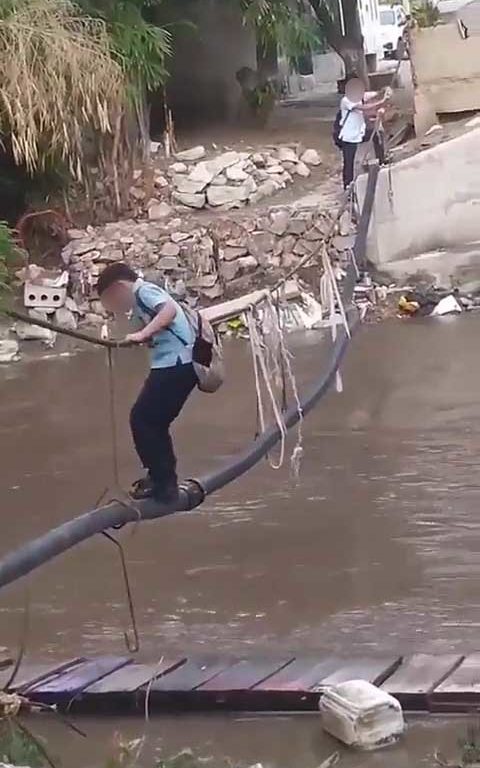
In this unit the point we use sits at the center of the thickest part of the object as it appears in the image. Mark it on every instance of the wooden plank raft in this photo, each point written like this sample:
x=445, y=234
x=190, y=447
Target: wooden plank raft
x=116, y=684
x=418, y=677
x=460, y=691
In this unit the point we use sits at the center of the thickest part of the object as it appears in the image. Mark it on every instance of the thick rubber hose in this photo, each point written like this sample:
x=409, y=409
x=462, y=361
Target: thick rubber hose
x=192, y=492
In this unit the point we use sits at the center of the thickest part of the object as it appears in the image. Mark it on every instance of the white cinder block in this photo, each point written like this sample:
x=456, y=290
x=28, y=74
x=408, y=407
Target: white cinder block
x=361, y=715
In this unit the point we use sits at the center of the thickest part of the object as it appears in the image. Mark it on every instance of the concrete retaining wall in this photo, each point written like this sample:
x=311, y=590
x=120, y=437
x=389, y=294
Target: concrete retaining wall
x=429, y=201
x=447, y=68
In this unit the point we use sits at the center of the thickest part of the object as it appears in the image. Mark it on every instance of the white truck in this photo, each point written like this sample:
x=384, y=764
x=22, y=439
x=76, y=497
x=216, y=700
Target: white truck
x=369, y=14
x=393, y=21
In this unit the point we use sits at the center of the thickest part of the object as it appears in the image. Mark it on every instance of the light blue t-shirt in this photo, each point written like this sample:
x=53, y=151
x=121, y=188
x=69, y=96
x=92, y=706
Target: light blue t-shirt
x=172, y=345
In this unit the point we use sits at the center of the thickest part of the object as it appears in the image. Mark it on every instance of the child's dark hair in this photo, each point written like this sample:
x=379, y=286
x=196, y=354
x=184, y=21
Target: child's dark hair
x=113, y=273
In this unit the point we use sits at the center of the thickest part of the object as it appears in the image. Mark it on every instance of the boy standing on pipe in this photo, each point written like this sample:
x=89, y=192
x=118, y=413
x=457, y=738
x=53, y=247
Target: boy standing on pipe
x=168, y=333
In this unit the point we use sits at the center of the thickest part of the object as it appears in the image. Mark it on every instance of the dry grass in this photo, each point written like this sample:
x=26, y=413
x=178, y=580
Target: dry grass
x=57, y=79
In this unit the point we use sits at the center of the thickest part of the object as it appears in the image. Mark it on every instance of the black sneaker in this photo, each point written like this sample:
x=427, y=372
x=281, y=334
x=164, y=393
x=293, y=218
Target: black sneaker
x=167, y=496
x=142, y=489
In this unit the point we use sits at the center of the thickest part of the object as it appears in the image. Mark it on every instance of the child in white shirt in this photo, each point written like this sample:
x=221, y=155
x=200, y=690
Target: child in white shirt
x=356, y=107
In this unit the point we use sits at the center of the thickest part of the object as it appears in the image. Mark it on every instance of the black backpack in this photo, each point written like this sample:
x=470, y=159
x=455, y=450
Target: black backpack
x=337, y=127
x=207, y=357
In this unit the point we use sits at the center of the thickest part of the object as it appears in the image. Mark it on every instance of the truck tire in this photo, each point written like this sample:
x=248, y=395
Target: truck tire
x=371, y=61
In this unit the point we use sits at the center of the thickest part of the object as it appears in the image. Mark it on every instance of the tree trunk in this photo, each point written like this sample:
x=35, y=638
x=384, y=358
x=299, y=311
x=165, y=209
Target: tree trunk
x=267, y=62
x=349, y=46
x=354, y=60
x=353, y=49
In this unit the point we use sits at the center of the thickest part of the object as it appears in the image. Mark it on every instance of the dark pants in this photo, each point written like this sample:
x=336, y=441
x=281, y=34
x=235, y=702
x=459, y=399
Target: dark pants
x=158, y=404
x=350, y=150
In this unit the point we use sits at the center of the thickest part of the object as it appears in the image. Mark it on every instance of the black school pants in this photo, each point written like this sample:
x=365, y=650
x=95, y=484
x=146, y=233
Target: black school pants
x=349, y=152
x=162, y=398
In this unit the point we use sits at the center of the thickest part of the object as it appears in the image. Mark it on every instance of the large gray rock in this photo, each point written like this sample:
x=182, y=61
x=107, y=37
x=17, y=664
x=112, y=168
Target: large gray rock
x=230, y=269
x=213, y=293
x=288, y=243
x=260, y=244
x=259, y=160
x=311, y=157
x=217, y=196
x=179, y=237
x=65, y=318
x=207, y=281
x=191, y=200
x=279, y=222
x=80, y=247
x=248, y=263
x=137, y=193
x=168, y=263
x=231, y=252
x=188, y=185
x=297, y=226
x=287, y=155
x=178, y=168
x=160, y=181
x=170, y=249
x=207, y=170
x=220, y=180
x=159, y=211
x=191, y=155
x=302, y=169
x=236, y=173
x=260, y=175
x=302, y=247
x=265, y=189
x=275, y=169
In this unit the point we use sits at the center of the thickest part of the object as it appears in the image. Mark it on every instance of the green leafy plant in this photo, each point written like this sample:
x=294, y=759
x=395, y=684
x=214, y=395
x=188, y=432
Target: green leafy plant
x=283, y=23
x=19, y=747
x=141, y=49
x=8, y=255
x=139, y=46
x=426, y=14
x=470, y=746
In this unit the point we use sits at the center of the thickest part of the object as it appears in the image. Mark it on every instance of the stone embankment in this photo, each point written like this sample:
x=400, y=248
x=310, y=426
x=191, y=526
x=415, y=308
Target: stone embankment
x=210, y=254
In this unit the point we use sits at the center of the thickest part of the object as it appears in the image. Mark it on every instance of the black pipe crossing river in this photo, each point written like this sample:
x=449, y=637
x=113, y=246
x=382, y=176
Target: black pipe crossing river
x=192, y=492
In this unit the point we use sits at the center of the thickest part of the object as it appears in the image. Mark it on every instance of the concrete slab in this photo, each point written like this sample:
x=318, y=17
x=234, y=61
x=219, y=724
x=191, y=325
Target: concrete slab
x=426, y=202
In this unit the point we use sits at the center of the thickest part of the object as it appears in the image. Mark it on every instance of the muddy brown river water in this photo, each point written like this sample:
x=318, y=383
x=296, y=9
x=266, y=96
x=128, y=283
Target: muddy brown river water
x=376, y=549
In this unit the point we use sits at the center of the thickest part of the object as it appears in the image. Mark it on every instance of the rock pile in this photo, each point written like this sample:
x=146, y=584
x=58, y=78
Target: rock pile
x=227, y=180
x=220, y=258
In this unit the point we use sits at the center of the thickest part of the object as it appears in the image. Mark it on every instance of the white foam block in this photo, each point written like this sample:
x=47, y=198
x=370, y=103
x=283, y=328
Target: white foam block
x=361, y=715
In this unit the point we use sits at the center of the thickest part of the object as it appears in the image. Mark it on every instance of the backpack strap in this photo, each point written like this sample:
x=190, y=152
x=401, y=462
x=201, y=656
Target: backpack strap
x=342, y=122
x=152, y=314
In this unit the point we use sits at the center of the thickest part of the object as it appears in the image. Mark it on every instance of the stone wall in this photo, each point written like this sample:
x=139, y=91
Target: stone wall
x=203, y=261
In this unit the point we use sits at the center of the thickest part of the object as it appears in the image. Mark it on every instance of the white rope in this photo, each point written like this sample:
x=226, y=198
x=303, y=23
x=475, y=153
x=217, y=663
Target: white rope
x=260, y=367
x=287, y=357
x=334, y=299
x=272, y=359
x=327, y=265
